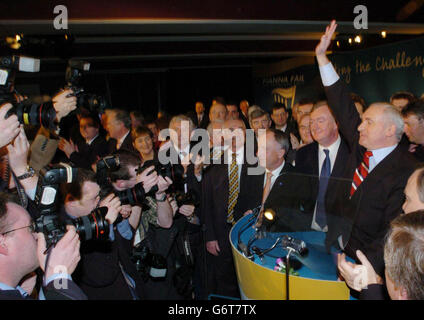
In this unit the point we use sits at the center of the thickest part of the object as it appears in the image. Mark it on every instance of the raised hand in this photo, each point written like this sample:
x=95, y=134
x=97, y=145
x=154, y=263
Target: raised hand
x=322, y=47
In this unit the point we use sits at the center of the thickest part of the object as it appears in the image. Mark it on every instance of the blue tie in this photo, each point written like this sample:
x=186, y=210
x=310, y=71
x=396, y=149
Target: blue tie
x=320, y=216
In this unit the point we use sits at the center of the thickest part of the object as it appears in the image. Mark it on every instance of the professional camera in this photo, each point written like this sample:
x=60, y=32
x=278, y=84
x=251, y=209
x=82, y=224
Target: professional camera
x=134, y=196
x=93, y=226
x=74, y=72
x=173, y=172
x=28, y=113
x=149, y=264
x=104, y=166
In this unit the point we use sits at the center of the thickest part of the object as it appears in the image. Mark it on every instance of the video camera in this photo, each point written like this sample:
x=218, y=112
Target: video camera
x=92, y=226
x=28, y=113
x=74, y=71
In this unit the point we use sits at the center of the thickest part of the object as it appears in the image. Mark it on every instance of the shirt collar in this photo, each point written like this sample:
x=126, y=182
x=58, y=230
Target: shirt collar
x=332, y=148
x=5, y=287
x=91, y=141
x=380, y=154
x=276, y=172
x=121, y=141
x=239, y=155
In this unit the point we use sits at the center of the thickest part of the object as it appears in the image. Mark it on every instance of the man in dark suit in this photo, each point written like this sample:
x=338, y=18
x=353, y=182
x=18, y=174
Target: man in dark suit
x=319, y=163
x=413, y=116
x=118, y=126
x=221, y=185
x=274, y=189
x=244, y=107
x=378, y=166
x=21, y=253
x=87, y=152
x=200, y=117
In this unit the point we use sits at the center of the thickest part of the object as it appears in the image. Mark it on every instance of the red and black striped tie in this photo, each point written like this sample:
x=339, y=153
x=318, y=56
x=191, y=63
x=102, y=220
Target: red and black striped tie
x=361, y=172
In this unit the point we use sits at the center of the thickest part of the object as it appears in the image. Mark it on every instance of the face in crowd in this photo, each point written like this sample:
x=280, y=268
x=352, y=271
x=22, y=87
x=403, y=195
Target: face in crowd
x=323, y=126
x=305, y=130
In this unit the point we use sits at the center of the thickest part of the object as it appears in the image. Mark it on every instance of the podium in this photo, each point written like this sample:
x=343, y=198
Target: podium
x=257, y=279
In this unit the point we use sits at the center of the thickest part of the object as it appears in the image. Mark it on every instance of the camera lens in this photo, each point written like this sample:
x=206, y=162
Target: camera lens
x=34, y=114
x=132, y=196
x=94, y=226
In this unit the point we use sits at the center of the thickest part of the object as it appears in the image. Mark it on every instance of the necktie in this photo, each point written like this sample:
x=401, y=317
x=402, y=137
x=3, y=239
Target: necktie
x=233, y=189
x=267, y=187
x=320, y=217
x=361, y=172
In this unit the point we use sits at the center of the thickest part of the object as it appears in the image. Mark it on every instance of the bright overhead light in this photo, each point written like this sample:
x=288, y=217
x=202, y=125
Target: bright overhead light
x=383, y=34
x=358, y=39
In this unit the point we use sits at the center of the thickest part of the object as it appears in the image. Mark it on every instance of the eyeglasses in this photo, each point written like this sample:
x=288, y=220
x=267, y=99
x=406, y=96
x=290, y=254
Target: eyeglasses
x=31, y=227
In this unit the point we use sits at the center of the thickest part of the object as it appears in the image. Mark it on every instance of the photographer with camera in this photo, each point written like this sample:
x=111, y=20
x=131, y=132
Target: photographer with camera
x=22, y=252
x=105, y=270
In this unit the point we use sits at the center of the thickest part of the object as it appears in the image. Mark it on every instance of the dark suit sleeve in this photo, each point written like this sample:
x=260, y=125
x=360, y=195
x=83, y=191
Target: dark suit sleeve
x=374, y=292
x=374, y=250
x=71, y=292
x=207, y=207
x=344, y=111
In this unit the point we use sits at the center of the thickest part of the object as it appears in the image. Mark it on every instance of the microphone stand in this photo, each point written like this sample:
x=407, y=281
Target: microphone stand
x=289, y=252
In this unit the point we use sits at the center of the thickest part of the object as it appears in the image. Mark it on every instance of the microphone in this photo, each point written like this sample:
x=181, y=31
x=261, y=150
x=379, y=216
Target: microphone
x=241, y=246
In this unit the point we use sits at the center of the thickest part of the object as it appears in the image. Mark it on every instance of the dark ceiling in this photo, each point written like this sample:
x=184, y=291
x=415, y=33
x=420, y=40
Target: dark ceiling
x=136, y=35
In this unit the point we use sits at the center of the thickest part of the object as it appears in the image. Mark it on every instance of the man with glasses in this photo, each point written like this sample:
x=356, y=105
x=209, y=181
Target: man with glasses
x=22, y=252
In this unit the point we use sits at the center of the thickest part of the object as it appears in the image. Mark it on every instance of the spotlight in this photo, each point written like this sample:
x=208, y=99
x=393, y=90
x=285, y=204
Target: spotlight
x=270, y=219
x=358, y=39
x=338, y=43
x=383, y=34
x=350, y=40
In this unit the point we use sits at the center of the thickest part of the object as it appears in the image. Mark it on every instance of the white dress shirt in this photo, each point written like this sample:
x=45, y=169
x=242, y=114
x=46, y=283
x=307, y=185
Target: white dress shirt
x=332, y=153
x=275, y=174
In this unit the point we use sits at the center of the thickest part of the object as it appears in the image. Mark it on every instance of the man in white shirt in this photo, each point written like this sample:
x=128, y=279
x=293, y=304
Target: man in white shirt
x=377, y=165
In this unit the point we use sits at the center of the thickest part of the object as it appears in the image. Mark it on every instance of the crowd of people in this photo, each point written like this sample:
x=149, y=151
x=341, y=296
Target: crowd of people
x=336, y=166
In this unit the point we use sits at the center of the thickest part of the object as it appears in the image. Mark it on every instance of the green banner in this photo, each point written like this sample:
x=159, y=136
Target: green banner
x=375, y=74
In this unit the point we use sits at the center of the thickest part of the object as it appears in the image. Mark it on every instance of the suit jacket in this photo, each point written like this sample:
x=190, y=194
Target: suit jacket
x=283, y=198
x=89, y=154
x=307, y=166
x=378, y=199
x=214, y=206
x=205, y=120
x=126, y=145
x=73, y=292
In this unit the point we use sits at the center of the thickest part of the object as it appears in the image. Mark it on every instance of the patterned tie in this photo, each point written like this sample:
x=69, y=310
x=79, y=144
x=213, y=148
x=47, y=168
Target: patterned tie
x=320, y=216
x=361, y=172
x=233, y=189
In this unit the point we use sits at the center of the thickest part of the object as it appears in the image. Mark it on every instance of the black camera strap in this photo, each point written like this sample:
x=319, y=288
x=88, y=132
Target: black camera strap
x=23, y=198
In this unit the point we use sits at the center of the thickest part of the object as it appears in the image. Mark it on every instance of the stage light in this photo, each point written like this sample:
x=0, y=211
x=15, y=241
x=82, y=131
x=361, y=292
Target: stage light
x=350, y=40
x=383, y=34
x=269, y=214
x=338, y=43
x=358, y=39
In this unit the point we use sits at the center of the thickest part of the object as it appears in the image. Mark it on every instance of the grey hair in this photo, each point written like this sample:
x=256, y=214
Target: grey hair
x=393, y=115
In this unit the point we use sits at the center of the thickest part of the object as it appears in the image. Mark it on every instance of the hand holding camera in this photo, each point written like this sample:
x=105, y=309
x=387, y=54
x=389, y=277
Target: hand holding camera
x=114, y=207
x=64, y=257
x=8, y=127
x=149, y=178
x=163, y=185
x=64, y=102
